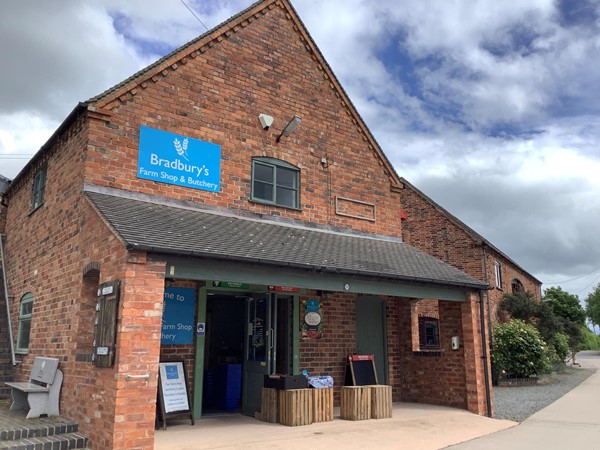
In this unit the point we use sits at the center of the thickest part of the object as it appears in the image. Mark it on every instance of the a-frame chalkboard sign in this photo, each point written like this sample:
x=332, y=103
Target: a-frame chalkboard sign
x=360, y=371
x=173, y=397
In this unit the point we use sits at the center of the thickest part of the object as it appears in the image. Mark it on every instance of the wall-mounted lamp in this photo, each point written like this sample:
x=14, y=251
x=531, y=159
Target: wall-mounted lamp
x=290, y=127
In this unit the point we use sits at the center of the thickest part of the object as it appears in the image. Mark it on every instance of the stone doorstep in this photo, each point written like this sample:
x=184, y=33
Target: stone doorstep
x=25, y=431
x=44, y=433
x=54, y=442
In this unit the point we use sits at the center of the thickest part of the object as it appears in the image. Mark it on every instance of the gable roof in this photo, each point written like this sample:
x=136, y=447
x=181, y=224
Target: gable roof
x=175, y=227
x=460, y=224
x=203, y=43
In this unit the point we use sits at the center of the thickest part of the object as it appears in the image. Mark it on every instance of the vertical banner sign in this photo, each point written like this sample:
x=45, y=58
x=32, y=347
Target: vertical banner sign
x=180, y=160
x=178, y=316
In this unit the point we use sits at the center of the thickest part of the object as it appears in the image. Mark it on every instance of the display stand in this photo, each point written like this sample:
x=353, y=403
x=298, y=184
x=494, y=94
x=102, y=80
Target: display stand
x=173, y=396
x=360, y=371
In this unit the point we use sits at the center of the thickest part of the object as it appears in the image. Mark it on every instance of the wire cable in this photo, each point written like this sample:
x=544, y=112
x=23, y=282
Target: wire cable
x=574, y=278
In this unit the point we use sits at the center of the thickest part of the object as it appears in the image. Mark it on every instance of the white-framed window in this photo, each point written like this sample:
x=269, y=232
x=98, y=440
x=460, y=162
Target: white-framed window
x=25, y=313
x=275, y=182
x=498, y=271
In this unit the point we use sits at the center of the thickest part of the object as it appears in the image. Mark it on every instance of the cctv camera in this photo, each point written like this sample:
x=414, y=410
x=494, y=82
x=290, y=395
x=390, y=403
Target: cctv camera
x=265, y=121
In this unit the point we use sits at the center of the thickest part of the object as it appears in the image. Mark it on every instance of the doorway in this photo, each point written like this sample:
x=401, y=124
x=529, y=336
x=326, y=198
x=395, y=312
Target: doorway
x=371, y=333
x=248, y=336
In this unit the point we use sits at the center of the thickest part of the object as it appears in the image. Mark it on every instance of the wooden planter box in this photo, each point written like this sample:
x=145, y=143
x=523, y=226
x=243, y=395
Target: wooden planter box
x=269, y=405
x=381, y=401
x=296, y=407
x=323, y=405
x=355, y=403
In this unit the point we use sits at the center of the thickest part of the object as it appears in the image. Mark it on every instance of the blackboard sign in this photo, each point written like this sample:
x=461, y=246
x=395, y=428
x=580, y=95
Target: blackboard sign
x=173, y=396
x=360, y=371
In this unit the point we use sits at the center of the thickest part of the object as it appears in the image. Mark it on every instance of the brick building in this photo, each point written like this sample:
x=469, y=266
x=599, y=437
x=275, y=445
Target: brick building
x=228, y=207
x=432, y=229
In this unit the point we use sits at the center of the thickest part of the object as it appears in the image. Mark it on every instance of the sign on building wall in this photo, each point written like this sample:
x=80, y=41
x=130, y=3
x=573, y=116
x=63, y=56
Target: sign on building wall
x=178, y=316
x=174, y=159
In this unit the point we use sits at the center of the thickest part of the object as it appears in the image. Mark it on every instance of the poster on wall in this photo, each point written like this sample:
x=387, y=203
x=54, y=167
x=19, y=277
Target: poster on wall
x=312, y=324
x=178, y=316
x=182, y=160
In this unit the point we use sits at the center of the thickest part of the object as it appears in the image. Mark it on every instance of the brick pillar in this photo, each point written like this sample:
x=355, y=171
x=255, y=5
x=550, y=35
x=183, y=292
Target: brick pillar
x=474, y=364
x=138, y=343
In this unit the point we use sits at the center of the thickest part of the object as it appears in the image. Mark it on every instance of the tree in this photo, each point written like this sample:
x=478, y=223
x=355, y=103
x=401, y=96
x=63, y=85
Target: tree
x=570, y=313
x=519, y=305
x=565, y=305
x=592, y=308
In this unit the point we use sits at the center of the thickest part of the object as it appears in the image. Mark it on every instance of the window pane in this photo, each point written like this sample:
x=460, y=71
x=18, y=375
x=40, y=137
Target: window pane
x=263, y=173
x=286, y=177
x=286, y=197
x=263, y=191
x=26, y=308
x=24, y=330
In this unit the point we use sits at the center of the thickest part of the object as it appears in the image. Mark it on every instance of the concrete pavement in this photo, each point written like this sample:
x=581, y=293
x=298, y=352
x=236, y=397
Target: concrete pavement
x=571, y=422
x=413, y=426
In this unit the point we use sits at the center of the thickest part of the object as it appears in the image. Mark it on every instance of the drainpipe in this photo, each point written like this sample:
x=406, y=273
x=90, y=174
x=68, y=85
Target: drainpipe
x=484, y=356
x=487, y=293
x=10, y=333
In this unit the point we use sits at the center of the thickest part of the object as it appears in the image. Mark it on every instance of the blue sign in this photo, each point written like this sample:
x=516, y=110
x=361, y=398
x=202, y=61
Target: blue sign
x=178, y=316
x=172, y=373
x=174, y=159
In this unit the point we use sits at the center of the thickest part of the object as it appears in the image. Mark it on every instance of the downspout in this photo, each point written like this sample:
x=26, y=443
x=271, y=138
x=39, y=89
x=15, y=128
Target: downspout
x=10, y=333
x=487, y=293
x=484, y=356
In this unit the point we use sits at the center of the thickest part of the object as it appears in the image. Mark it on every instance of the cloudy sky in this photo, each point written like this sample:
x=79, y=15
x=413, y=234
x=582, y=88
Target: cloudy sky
x=492, y=108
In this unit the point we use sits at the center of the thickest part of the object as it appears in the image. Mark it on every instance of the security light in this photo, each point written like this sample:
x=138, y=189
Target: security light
x=290, y=127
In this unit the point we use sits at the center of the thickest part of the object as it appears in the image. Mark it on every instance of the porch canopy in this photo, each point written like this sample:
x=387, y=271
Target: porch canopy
x=211, y=243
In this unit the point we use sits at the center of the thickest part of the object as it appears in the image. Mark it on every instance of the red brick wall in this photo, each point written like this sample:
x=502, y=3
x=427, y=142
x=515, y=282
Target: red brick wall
x=509, y=273
x=429, y=229
x=212, y=97
x=327, y=356
x=43, y=253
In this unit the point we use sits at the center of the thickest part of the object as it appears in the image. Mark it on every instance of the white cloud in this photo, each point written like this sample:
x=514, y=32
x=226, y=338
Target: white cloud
x=492, y=108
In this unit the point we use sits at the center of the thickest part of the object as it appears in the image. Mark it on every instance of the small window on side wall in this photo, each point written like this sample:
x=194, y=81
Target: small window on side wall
x=429, y=333
x=517, y=286
x=25, y=313
x=498, y=271
x=275, y=182
x=39, y=188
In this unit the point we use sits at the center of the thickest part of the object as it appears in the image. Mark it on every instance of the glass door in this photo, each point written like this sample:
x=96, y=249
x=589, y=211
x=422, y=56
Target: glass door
x=258, y=350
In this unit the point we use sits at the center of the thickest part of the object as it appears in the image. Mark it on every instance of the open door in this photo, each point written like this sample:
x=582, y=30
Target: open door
x=268, y=344
x=258, y=350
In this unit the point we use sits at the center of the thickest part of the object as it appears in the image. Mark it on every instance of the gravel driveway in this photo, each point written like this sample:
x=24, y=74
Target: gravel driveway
x=518, y=403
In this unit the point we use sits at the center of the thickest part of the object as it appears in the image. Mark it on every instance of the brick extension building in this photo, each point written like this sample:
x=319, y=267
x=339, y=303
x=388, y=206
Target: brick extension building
x=227, y=240
x=432, y=229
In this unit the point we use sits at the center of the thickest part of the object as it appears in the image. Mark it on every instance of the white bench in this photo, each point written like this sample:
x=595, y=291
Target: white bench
x=42, y=390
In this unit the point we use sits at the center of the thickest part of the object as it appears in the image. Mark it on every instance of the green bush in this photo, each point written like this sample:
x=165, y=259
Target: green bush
x=560, y=342
x=519, y=352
